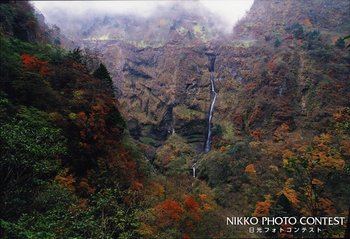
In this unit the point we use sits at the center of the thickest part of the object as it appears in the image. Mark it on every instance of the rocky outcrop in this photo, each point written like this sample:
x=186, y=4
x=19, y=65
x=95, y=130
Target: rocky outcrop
x=261, y=85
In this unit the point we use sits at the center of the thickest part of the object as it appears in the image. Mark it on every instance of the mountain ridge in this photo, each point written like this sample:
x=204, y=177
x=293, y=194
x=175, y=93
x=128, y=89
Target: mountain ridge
x=128, y=160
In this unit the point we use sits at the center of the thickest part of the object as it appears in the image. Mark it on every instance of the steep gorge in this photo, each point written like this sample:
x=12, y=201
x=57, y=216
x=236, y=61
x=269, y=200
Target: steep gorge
x=278, y=88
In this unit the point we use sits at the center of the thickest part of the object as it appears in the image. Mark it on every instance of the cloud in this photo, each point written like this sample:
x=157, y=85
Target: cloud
x=229, y=11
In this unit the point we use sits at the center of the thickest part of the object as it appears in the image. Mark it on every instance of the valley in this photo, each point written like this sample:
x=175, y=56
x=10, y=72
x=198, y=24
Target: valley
x=164, y=125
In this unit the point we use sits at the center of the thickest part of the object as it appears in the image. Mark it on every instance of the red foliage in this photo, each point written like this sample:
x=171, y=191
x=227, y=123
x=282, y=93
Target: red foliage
x=256, y=134
x=190, y=203
x=34, y=64
x=289, y=37
x=271, y=65
x=256, y=115
x=185, y=236
x=169, y=211
x=238, y=120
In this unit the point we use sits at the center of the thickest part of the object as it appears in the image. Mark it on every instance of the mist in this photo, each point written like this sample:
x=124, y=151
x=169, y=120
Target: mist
x=63, y=13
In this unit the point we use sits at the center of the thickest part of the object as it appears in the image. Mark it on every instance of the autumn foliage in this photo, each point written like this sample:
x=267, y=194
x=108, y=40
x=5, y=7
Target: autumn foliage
x=169, y=212
x=34, y=64
x=262, y=208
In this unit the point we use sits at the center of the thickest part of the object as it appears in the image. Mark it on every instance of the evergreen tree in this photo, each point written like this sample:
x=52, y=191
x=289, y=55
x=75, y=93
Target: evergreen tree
x=340, y=43
x=102, y=73
x=277, y=42
x=76, y=55
x=297, y=30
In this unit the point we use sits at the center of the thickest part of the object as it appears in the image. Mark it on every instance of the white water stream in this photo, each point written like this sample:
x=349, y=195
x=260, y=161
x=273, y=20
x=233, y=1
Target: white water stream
x=211, y=59
x=213, y=92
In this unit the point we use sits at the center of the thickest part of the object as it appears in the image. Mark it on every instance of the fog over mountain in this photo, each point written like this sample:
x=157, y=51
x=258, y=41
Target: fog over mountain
x=69, y=14
x=174, y=119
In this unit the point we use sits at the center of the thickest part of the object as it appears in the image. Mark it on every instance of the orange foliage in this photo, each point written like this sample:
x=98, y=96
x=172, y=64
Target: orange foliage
x=250, y=169
x=263, y=208
x=136, y=185
x=307, y=22
x=222, y=149
x=66, y=180
x=325, y=155
x=281, y=132
x=316, y=181
x=34, y=64
x=84, y=186
x=83, y=203
x=345, y=144
x=169, y=211
x=290, y=193
x=257, y=114
x=205, y=202
x=327, y=206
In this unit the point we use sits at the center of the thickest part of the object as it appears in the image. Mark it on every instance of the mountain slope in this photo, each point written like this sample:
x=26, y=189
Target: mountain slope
x=280, y=127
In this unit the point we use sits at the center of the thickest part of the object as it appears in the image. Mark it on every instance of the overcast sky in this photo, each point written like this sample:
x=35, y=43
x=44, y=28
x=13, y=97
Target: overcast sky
x=229, y=10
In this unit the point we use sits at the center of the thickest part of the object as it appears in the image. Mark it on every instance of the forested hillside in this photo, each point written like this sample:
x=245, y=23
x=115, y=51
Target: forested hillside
x=108, y=139
x=68, y=167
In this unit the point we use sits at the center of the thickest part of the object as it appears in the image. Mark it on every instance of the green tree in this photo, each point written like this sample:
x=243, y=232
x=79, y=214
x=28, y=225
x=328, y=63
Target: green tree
x=102, y=73
x=76, y=55
x=277, y=42
x=297, y=30
x=340, y=43
x=30, y=150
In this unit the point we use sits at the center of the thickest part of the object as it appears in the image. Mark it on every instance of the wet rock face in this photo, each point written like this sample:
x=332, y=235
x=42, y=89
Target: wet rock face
x=165, y=127
x=211, y=60
x=162, y=90
x=166, y=90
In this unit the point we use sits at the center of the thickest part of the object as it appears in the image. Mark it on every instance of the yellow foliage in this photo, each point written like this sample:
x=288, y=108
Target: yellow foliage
x=345, y=144
x=287, y=154
x=290, y=193
x=155, y=189
x=147, y=230
x=182, y=112
x=174, y=147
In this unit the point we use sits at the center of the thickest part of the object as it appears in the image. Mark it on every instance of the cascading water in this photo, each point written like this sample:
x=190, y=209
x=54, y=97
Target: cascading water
x=211, y=58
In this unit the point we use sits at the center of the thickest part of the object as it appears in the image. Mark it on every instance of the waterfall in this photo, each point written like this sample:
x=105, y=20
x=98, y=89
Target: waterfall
x=194, y=170
x=211, y=58
x=213, y=92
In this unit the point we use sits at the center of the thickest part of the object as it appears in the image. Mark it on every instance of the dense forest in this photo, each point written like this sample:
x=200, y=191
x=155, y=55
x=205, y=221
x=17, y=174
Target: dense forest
x=104, y=137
